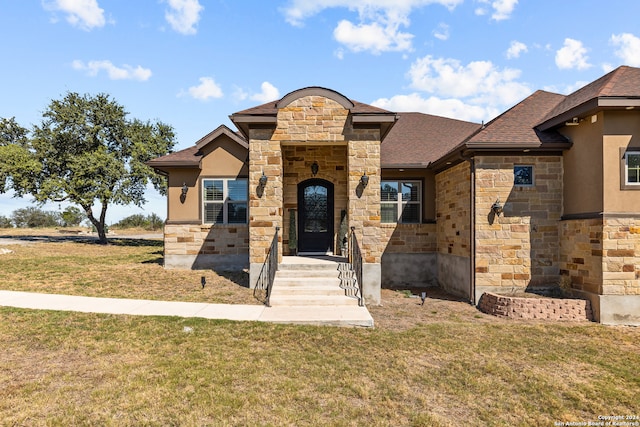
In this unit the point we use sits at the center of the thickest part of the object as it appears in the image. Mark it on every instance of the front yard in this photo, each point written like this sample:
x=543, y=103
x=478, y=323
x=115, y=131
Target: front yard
x=444, y=363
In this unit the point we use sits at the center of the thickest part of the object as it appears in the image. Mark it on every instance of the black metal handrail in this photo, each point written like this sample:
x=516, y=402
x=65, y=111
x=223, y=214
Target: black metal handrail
x=269, y=268
x=355, y=260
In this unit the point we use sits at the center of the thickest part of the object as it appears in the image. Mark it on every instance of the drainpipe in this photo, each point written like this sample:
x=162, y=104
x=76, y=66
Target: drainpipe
x=472, y=230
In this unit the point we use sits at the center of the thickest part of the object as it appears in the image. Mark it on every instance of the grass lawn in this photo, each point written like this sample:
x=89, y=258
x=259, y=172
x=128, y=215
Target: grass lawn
x=443, y=363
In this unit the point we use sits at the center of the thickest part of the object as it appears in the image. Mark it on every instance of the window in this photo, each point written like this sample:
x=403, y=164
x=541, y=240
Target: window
x=225, y=201
x=523, y=176
x=400, y=201
x=632, y=167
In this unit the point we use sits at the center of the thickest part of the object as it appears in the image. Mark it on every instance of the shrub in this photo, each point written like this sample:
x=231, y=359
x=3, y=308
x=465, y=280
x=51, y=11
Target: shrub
x=32, y=217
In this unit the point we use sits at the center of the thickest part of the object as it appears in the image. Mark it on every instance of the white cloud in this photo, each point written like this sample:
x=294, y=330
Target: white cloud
x=628, y=48
x=183, y=15
x=515, y=49
x=476, y=91
x=207, y=89
x=502, y=9
x=573, y=55
x=269, y=93
x=454, y=108
x=379, y=21
x=441, y=32
x=567, y=89
x=479, y=80
x=84, y=14
x=372, y=37
x=126, y=72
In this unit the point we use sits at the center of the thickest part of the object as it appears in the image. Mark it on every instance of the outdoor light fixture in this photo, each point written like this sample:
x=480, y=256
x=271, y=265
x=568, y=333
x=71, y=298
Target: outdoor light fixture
x=263, y=180
x=423, y=297
x=184, y=190
x=364, y=180
x=314, y=168
x=496, y=208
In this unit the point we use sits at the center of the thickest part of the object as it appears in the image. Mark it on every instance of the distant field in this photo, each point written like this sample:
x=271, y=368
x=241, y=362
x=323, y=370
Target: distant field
x=441, y=364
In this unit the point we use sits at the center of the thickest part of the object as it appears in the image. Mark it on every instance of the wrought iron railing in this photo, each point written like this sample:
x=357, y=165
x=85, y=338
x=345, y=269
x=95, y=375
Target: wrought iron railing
x=269, y=268
x=355, y=262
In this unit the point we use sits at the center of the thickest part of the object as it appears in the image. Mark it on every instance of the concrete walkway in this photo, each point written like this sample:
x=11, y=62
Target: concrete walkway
x=334, y=316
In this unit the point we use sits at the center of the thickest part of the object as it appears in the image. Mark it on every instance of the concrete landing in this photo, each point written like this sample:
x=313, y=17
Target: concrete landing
x=335, y=316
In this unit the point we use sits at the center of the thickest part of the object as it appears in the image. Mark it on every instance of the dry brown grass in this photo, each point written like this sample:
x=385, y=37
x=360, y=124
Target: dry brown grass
x=441, y=364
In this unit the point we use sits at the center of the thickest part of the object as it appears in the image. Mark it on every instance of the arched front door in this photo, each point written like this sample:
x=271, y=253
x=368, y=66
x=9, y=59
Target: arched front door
x=315, y=216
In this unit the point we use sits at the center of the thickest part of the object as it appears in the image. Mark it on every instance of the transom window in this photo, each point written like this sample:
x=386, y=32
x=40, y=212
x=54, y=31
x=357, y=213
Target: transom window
x=225, y=201
x=632, y=167
x=400, y=201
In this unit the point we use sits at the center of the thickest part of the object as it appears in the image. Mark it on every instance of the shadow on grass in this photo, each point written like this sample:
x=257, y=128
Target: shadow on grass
x=115, y=241
x=432, y=293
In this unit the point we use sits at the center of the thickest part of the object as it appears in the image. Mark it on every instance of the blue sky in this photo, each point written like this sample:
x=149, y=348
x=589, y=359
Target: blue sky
x=192, y=63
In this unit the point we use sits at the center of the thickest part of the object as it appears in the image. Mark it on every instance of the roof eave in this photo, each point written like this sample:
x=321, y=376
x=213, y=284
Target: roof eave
x=587, y=108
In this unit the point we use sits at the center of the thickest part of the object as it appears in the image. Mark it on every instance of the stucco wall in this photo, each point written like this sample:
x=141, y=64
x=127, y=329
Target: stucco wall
x=621, y=130
x=583, y=169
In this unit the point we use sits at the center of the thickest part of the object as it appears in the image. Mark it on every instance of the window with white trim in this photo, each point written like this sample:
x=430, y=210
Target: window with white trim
x=224, y=201
x=632, y=167
x=401, y=201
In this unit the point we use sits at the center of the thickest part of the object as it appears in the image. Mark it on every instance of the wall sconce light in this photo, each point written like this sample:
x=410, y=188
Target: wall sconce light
x=263, y=180
x=496, y=208
x=364, y=180
x=184, y=190
x=314, y=168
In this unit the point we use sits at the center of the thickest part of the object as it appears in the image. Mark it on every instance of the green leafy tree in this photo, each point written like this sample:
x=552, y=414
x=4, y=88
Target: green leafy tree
x=33, y=217
x=5, y=222
x=85, y=152
x=72, y=216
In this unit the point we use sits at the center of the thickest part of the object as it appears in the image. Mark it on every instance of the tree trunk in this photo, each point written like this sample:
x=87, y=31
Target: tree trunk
x=99, y=225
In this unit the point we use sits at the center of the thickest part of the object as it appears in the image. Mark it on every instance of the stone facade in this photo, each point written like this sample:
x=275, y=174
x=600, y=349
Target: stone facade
x=315, y=128
x=518, y=249
x=581, y=254
x=331, y=160
x=410, y=258
x=220, y=247
x=453, y=213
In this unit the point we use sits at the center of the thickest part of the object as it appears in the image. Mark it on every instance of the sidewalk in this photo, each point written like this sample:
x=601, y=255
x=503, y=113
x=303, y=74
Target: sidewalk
x=321, y=315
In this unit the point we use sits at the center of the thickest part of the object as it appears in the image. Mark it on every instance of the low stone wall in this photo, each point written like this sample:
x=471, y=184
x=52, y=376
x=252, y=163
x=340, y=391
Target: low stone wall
x=535, y=308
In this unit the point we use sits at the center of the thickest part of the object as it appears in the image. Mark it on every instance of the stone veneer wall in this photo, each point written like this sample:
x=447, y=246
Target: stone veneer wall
x=409, y=259
x=581, y=254
x=332, y=166
x=453, y=209
x=316, y=120
x=220, y=247
x=519, y=248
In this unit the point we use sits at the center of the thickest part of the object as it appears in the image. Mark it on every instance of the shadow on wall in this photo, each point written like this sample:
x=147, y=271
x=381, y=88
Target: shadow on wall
x=529, y=229
x=410, y=258
x=224, y=249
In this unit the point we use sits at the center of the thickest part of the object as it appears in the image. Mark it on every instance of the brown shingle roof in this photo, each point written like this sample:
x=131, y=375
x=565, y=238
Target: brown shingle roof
x=623, y=82
x=417, y=139
x=516, y=125
x=189, y=157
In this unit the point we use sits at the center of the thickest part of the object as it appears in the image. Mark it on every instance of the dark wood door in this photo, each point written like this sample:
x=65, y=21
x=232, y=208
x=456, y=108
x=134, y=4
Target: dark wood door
x=315, y=221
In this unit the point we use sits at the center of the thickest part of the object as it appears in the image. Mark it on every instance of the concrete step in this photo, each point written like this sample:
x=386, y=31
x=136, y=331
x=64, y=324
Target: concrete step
x=307, y=273
x=330, y=266
x=312, y=300
x=322, y=282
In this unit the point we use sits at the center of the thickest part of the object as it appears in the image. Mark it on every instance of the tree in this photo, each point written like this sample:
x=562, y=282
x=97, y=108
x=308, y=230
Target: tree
x=85, y=152
x=33, y=217
x=72, y=216
x=5, y=222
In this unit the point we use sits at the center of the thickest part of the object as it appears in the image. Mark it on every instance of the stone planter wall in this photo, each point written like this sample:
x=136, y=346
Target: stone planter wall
x=535, y=308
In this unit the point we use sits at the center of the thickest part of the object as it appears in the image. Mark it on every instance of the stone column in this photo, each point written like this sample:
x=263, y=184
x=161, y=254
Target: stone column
x=265, y=204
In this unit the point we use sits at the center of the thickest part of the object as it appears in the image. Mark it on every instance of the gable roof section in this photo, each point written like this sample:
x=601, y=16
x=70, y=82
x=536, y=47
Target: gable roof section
x=267, y=114
x=418, y=139
x=618, y=89
x=515, y=128
x=191, y=157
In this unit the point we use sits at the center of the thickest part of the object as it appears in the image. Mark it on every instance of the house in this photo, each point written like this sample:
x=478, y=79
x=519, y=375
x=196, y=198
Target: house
x=543, y=196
